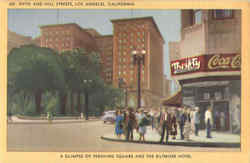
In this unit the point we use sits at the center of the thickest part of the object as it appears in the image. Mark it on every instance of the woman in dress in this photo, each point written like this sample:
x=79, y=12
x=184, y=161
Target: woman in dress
x=142, y=125
x=118, y=124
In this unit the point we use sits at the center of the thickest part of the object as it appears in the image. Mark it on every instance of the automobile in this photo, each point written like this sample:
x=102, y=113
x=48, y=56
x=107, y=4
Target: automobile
x=109, y=116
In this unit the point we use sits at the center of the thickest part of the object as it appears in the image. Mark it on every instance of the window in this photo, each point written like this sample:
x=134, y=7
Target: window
x=223, y=14
x=206, y=96
x=218, y=95
x=197, y=17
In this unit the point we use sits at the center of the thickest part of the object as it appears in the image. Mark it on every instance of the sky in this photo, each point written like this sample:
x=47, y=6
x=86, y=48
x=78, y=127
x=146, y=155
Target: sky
x=27, y=22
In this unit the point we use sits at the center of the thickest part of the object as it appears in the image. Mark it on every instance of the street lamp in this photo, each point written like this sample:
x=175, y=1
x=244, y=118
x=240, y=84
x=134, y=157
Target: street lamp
x=139, y=57
x=87, y=98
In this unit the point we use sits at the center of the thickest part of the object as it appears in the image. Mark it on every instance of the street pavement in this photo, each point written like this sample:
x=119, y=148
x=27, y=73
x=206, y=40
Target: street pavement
x=80, y=137
x=15, y=119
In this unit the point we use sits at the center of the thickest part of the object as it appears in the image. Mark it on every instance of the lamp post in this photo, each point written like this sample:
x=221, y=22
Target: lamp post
x=139, y=58
x=87, y=98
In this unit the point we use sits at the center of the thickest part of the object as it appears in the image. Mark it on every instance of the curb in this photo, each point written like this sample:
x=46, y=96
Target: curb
x=55, y=122
x=189, y=144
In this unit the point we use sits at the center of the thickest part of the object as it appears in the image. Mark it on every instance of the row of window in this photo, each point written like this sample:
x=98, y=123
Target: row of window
x=131, y=34
x=217, y=14
x=57, y=32
x=63, y=45
x=50, y=39
x=129, y=47
x=122, y=71
x=125, y=41
x=131, y=66
x=131, y=27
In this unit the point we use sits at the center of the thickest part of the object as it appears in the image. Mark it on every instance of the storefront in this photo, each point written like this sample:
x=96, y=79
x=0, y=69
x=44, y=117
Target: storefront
x=212, y=80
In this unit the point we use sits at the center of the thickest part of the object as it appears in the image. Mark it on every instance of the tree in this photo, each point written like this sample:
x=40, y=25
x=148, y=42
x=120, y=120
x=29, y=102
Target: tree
x=79, y=66
x=34, y=71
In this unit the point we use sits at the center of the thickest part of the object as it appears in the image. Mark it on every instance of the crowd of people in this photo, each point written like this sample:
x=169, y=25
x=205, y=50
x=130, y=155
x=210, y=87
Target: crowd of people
x=166, y=121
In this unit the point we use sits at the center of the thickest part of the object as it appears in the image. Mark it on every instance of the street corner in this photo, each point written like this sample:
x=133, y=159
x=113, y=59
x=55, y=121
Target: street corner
x=219, y=140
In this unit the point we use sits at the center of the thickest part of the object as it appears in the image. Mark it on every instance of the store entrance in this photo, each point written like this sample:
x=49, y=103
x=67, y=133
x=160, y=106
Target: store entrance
x=221, y=115
x=203, y=107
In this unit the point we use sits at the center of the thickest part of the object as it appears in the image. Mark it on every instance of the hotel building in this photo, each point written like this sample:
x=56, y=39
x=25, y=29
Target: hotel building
x=138, y=34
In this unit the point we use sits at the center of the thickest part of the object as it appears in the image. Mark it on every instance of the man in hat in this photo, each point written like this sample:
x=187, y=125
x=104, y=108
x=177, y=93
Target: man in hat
x=183, y=118
x=131, y=124
x=165, y=120
x=196, y=120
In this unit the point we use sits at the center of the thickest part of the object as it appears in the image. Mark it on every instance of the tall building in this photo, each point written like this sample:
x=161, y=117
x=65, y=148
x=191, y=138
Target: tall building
x=207, y=64
x=16, y=40
x=63, y=37
x=138, y=34
x=105, y=44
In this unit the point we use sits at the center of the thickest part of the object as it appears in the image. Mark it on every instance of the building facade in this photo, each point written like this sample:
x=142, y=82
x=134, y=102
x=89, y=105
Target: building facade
x=116, y=54
x=105, y=44
x=16, y=40
x=207, y=64
x=138, y=34
x=63, y=37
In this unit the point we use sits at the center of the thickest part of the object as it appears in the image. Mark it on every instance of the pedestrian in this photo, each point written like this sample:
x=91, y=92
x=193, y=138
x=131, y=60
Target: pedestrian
x=151, y=113
x=118, y=124
x=164, y=123
x=125, y=123
x=197, y=120
x=173, y=125
x=142, y=122
x=209, y=121
x=131, y=124
x=222, y=121
x=192, y=112
x=160, y=113
x=182, y=121
x=187, y=127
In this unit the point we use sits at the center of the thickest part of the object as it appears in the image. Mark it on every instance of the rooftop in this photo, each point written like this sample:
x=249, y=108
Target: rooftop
x=150, y=18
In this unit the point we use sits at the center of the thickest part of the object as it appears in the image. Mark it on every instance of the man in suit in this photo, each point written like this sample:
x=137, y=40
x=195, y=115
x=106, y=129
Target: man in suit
x=182, y=121
x=131, y=124
x=165, y=121
x=209, y=121
x=196, y=120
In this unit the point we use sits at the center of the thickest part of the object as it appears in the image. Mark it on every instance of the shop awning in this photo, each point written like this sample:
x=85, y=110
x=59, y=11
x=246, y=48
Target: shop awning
x=175, y=100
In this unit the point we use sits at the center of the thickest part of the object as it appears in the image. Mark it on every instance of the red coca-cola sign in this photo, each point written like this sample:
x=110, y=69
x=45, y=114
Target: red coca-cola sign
x=206, y=63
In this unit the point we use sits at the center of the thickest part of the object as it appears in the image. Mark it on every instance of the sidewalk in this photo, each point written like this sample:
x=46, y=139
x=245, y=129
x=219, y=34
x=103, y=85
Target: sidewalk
x=16, y=120
x=220, y=139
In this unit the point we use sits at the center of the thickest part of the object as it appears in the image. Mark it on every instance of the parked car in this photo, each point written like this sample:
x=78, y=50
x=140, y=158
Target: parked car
x=109, y=116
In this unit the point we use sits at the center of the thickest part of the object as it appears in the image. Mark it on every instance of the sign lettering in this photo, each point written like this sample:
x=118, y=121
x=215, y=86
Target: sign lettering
x=206, y=63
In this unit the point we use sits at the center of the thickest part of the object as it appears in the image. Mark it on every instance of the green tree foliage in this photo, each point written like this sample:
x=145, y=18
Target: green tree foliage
x=33, y=71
